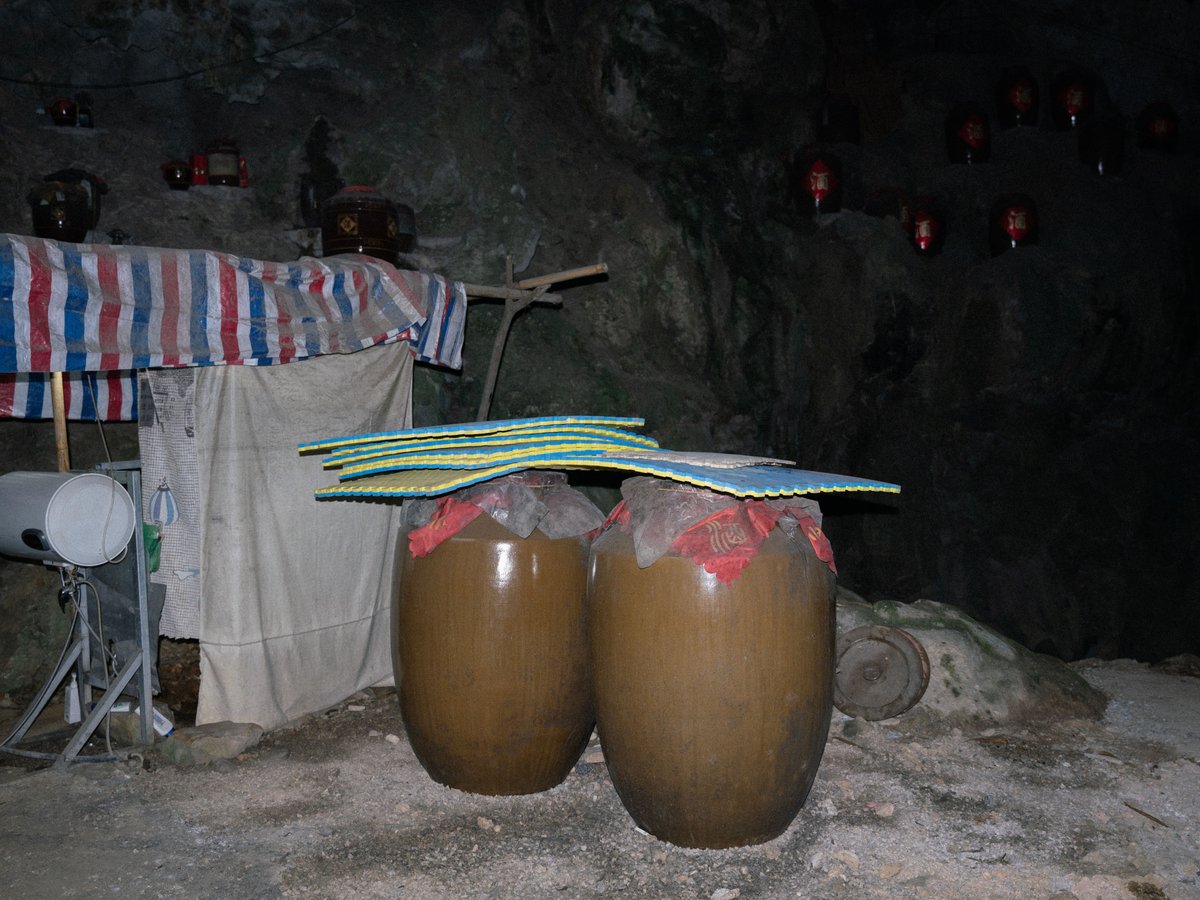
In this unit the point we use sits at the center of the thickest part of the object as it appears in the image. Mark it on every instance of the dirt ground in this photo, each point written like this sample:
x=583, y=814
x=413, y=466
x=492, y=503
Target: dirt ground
x=338, y=806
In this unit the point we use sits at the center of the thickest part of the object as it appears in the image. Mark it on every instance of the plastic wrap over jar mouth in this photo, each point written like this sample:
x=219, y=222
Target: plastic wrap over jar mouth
x=521, y=502
x=658, y=513
x=536, y=478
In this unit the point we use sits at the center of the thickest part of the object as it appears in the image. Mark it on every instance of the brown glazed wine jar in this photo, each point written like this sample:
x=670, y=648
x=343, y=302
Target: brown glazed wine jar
x=489, y=646
x=713, y=700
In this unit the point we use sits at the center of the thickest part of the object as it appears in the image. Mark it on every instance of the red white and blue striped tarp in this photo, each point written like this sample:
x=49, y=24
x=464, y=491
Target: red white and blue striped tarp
x=111, y=310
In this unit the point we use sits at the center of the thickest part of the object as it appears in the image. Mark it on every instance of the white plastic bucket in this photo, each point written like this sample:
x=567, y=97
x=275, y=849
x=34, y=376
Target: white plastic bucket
x=85, y=519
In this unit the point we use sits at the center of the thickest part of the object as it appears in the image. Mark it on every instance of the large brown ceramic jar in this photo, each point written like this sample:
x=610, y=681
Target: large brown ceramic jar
x=489, y=645
x=712, y=700
x=357, y=219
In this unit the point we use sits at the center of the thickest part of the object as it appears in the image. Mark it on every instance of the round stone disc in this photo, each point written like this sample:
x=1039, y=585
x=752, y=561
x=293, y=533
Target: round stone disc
x=881, y=672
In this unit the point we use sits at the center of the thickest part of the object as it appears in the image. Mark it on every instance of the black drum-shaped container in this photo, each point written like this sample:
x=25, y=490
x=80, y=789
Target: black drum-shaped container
x=358, y=219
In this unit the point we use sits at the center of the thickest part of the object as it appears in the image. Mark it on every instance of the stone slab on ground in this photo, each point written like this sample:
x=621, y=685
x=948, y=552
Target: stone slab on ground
x=202, y=744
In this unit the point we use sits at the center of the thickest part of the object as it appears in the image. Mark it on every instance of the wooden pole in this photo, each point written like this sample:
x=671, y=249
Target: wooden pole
x=516, y=296
x=486, y=292
x=517, y=290
x=511, y=308
x=568, y=275
x=58, y=403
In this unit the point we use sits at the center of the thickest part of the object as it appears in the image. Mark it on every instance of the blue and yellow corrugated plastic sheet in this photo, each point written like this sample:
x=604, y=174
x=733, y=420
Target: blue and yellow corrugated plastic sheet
x=464, y=429
x=427, y=462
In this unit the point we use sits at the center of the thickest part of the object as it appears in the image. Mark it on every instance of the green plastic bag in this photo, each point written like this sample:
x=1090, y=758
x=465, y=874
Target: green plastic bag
x=152, y=538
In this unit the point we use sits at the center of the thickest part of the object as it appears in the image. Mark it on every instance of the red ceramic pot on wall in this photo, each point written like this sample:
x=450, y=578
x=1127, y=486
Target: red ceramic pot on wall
x=1013, y=223
x=929, y=228
x=1018, y=100
x=1158, y=128
x=1073, y=97
x=968, y=135
x=816, y=181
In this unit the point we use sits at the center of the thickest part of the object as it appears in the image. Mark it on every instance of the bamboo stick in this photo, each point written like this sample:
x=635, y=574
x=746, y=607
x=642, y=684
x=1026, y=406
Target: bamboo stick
x=522, y=288
x=568, y=275
x=58, y=404
x=482, y=291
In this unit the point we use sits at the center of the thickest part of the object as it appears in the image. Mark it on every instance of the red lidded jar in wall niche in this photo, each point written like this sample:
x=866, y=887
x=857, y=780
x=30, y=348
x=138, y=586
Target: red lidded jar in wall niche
x=63, y=111
x=929, y=230
x=94, y=187
x=1102, y=145
x=1017, y=98
x=199, y=168
x=223, y=163
x=968, y=134
x=60, y=211
x=177, y=174
x=1074, y=98
x=1014, y=223
x=817, y=181
x=1158, y=128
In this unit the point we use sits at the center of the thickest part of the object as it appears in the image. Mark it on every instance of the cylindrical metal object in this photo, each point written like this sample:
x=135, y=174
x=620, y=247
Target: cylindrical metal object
x=223, y=157
x=85, y=519
x=713, y=700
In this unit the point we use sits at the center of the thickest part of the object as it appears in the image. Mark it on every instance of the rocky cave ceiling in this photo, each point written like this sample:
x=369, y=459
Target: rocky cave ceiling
x=1037, y=405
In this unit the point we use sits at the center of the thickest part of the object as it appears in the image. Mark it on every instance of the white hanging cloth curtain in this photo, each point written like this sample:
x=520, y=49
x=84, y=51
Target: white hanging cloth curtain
x=288, y=597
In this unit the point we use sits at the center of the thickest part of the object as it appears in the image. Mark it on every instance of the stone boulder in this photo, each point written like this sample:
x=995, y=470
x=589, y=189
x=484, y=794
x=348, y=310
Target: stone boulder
x=208, y=743
x=978, y=678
